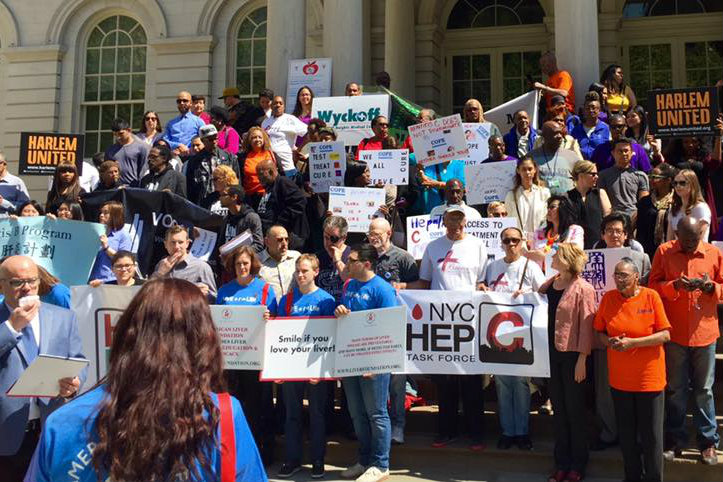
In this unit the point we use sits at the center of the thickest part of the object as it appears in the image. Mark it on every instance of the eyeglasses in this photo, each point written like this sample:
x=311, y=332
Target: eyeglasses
x=332, y=238
x=20, y=282
x=499, y=215
x=123, y=267
x=183, y=101
x=613, y=232
x=511, y=241
x=680, y=183
x=622, y=276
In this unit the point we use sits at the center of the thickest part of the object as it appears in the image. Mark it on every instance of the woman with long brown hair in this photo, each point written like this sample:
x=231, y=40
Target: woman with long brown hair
x=688, y=200
x=66, y=186
x=527, y=201
x=158, y=414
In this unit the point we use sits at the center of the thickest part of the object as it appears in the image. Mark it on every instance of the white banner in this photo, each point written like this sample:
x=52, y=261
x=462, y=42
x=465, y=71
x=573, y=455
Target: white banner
x=439, y=141
x=502, y=115
x=456, y=332
x=477, y=136
x=351, y=117
x=421, y=230
x=370, y=341
x=600, y=269
x=98, y=310
x=312, y=73
x=358, y=205
x=489, y=181
x=298, y=348
x=327, y=164
x=389, y=166
x=241, y=334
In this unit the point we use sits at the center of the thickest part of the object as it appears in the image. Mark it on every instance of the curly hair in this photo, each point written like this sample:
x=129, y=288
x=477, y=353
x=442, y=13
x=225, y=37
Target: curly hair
x=157, y=420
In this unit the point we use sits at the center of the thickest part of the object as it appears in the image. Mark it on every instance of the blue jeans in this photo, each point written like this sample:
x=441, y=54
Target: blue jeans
x=690, y=367
x=513, y=400
x=293, y=428
x=397, y=395
x=367, y=399
x=290, y=173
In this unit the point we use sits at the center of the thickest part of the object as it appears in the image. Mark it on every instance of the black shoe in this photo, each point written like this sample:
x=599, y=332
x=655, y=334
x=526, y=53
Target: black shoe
x=523, y=442
x=442, y=441
x=672, y=453
x=317, y=470
x=287, y=470
x=505, y=442
x=599, y=444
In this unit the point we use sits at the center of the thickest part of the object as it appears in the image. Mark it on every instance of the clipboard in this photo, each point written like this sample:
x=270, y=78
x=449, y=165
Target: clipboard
x=40, y=379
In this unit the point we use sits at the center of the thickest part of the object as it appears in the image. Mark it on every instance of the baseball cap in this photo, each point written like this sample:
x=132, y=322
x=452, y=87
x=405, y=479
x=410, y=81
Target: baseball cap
x=230, y=92
x=207, y=131
x=454, y=208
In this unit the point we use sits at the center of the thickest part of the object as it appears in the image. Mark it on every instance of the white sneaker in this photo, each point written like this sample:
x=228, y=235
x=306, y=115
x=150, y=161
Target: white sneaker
x=373, y=474
x=354, y=471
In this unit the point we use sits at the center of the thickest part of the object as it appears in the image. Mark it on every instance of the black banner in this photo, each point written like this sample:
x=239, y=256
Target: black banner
x=683, y=112
x=40, y=152
x=148, y=214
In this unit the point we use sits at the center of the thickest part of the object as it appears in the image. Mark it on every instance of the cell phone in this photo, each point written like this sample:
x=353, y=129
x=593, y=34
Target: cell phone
x=28, y=300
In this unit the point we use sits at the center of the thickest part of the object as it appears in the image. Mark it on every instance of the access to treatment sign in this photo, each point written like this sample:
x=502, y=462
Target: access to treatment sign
x=351, y=117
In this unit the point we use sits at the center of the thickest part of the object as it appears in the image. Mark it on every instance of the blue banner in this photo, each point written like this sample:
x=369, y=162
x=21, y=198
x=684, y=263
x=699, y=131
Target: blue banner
x=67, y=249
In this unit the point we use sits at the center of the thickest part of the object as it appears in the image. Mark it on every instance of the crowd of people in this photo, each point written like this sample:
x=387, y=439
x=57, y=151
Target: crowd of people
x=591, y=179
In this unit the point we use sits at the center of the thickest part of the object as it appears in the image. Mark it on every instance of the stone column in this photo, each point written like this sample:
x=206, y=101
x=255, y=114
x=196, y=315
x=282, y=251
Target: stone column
x=576, y=43
x=285, y=40
x=399, y=36
x=343, y=42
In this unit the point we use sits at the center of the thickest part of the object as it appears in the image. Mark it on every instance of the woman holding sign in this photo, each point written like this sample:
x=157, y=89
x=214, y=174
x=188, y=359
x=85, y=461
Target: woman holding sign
x=571, y=309
x=256, y=397
x=306, y=299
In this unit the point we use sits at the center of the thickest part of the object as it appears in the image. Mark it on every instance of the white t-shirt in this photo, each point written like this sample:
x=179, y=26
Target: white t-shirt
x=454, y=265
x=505, y=277
x=283, y=131
x=700, y=211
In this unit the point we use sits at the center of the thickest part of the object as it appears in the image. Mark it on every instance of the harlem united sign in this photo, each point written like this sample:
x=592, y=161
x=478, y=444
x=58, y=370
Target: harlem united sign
x=474, y=332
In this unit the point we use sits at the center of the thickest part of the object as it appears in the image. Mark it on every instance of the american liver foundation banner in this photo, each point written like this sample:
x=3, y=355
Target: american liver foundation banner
x=683, y=112
x=40, y=152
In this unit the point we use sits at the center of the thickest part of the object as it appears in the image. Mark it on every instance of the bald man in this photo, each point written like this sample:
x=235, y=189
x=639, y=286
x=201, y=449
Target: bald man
x=184, y=127
x=688, y=275
x=278, y=262
x=29, y=328
x=283, y=204
x=555, y=162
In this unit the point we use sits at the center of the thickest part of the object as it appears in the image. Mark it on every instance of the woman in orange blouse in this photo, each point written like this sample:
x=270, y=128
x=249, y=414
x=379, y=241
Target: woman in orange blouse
x=257, y=148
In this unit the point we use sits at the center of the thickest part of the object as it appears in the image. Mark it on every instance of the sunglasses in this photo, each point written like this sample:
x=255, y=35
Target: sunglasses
x=151, y=118
x=332, y=238
x=183, y=101
x=680, y=183
x=511, y=240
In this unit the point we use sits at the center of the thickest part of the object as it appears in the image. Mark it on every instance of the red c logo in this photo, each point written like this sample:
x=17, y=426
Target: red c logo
x=496, y=321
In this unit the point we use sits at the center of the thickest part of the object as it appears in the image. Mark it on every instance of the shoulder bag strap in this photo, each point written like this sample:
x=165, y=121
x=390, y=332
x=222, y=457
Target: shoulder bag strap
x=264, y=294
x=289, y=301
x=522, y=278
x=228, y=439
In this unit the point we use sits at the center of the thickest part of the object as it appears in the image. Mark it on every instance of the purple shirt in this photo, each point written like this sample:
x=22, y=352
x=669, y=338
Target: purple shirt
x=602, y=157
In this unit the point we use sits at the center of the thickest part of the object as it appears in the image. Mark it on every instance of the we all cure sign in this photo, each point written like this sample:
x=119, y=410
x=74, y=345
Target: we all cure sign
x=40, y=152
x=683, y=112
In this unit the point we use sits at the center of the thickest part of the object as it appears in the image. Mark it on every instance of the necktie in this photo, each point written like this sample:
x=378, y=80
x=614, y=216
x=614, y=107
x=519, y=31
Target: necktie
x=28, y=341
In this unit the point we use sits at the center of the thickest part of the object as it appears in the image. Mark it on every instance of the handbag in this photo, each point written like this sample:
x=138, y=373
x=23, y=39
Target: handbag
x=228, y=439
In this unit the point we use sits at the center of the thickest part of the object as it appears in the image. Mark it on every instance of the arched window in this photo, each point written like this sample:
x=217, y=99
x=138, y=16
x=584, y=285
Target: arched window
x=655, y=8
x=115, y=79
x=251, y=54
x=494, y=13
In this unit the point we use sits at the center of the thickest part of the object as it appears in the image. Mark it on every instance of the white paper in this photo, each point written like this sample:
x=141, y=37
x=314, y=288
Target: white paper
x=327, y=164
x=389, y=166
x=241, y=332
x=477, y=136
x=439, y=141
x=243, y=239
x=203, y=244
x=489, y=181
x=312, y=73
x=358, y=205
x=351, y=117
x=41, y=378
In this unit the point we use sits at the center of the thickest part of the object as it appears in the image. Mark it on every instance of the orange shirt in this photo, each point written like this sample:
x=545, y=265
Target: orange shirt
x=693, y=315
x=637, y=369
x=561, y=80
x=251, y=182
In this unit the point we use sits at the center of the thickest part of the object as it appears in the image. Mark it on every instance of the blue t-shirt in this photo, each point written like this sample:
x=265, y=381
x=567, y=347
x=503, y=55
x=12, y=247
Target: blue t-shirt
x=64, y=452
x=59, y=295
x=370, y=295
x=117, y=240
x=258, y=292
x=316, y=303
x=430, y=198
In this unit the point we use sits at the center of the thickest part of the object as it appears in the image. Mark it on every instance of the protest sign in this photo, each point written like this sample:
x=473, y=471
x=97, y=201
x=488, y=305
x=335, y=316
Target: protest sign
x=503, y=115
x=241, y=333
x=312, y=73
x=148, y=214
x=327, y=164
x=67, y=249
x=351, y=117
x=423, y=229
x=370, y=341
x=683, y=112
x=297, y=348
x=41, y=152
x=358, y=205
x=389, y=166
x=477, y=136
x=489, y=181
x=600, y=268
x=98, y=310
x=439, y=141
x=463, y=332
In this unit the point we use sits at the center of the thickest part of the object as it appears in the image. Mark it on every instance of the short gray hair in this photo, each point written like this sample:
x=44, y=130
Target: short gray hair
x=626, y=261
x=336, y=222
